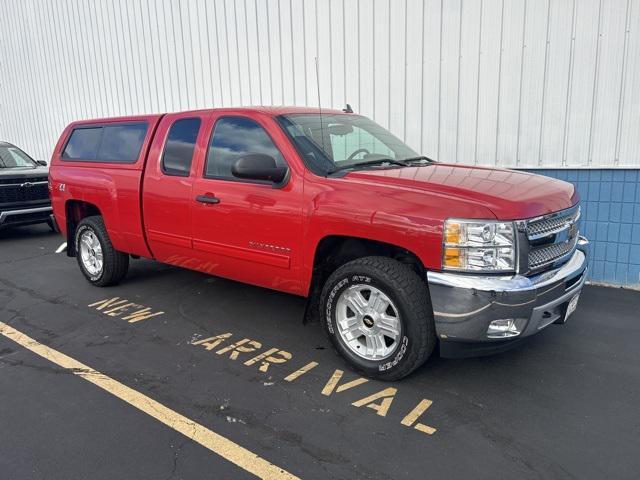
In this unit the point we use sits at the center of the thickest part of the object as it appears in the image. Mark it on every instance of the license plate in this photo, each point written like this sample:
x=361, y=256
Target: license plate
x=573, y=303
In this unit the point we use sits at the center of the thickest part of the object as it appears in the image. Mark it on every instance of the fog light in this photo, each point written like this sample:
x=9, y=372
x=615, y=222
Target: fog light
x=503, y=328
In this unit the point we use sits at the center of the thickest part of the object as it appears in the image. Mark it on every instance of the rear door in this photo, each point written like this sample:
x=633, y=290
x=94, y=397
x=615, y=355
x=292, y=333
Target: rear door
x=247, y=230
x=167, y=202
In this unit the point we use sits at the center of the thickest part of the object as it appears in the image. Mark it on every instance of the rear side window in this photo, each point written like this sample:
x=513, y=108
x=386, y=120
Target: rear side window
x=181, y=142
x=83, y=144
x=234, y=137
x=117, y=143
x=122, y=143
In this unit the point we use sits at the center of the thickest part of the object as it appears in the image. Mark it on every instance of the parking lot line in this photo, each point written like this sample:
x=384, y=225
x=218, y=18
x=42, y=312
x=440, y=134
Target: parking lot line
x=218, y=444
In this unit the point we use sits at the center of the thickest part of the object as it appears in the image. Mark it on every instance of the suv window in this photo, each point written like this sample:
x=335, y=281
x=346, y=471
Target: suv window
x=181, y=142
x=234, y=137
x=13, y=157
x=116, y=143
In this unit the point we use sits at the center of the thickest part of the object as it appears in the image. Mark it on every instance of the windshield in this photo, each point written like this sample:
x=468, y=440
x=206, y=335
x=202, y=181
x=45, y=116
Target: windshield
x=342, y=141
x=13, y=157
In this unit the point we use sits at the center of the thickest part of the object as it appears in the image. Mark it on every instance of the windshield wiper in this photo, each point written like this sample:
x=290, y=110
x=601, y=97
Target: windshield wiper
x=370, y=163
x=420, y=159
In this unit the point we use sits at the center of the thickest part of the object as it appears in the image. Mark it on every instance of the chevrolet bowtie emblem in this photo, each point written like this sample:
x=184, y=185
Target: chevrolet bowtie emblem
x=27, y=185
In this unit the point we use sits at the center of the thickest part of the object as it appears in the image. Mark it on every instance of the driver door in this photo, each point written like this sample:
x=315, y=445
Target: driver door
x=246, y=230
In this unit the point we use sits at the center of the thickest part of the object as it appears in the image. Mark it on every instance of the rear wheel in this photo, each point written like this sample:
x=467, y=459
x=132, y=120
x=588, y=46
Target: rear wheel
x=99, y=262
x=377, y=313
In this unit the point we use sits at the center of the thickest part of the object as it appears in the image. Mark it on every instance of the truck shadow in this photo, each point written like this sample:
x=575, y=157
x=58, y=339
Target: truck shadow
x=200, y=297
x=204, y=295
x=17, y=233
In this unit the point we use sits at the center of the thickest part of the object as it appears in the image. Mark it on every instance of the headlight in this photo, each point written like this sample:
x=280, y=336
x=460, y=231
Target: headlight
x=472, y=245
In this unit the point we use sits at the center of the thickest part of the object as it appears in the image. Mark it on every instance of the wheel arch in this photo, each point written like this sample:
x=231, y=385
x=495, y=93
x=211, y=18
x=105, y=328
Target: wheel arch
x=332, y=251
x=75, y=211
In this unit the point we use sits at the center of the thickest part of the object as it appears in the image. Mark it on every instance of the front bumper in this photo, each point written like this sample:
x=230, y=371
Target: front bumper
x=465, y=305
x=25, y=216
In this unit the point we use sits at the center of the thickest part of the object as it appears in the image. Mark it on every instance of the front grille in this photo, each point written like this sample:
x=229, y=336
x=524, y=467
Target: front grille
x=546, y=255
x=550, y=225
x=18, y=190
x=552, y=238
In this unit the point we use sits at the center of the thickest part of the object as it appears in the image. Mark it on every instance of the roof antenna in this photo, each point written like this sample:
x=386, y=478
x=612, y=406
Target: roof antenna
x=347, y=109
x=319, y=104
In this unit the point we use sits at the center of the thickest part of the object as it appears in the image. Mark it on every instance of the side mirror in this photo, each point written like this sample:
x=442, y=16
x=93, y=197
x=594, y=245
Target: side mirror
x=258, y=166
x=42, y=163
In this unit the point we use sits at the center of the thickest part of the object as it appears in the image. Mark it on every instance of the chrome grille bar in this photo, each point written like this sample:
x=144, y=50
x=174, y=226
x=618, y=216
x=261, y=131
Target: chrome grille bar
x=552, y=224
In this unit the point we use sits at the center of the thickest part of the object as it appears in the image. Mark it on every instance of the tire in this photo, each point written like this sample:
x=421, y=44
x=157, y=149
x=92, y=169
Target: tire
x=410, y=302
x=114, y=263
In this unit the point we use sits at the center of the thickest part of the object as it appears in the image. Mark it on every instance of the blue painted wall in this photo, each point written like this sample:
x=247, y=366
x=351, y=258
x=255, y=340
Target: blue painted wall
x=610, y=220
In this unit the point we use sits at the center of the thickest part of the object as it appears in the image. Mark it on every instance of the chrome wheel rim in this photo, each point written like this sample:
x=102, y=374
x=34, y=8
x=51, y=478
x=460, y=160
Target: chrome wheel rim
x=91, y=252
x=368, y=322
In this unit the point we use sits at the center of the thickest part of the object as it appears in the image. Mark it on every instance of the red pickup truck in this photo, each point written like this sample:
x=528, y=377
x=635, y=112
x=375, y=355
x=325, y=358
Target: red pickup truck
x=396, y=253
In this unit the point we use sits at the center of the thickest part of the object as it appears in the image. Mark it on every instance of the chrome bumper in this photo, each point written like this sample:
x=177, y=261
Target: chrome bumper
x=46, y=211
x=465, y=305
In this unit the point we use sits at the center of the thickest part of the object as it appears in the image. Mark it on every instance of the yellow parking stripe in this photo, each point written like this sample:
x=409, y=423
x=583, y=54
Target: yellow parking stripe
x=218, y=444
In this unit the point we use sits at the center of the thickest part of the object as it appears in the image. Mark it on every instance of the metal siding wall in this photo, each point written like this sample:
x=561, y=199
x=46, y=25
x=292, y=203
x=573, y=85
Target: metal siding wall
x=522, y=83
x=610, y=220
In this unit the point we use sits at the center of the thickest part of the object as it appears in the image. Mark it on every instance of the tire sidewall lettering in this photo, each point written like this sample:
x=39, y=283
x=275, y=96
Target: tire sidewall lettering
x=331, y=301
x=401, y=351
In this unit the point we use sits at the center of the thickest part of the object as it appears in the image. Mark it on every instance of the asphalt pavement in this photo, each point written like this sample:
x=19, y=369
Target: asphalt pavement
x=238, y=362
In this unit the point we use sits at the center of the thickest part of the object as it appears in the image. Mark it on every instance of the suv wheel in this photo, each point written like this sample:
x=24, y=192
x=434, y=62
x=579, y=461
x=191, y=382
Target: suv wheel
x=100, y=263
x=377, y=313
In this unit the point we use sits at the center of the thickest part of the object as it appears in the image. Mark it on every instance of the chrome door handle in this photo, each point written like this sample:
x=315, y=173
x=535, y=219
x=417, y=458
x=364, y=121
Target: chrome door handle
x=207, y=199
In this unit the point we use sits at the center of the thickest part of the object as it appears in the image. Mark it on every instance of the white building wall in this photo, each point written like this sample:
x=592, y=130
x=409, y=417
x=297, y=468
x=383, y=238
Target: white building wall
x=510, y=82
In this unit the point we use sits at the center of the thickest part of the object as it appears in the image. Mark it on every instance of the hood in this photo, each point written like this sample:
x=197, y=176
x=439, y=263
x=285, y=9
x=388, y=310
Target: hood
x=509, y=194
x=24, y=172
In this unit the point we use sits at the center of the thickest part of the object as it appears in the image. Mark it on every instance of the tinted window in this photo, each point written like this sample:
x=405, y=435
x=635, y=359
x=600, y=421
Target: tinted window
x=234, y=137
x=83, y=144
x=117, y=143
x=178, y=151
x=122, y=143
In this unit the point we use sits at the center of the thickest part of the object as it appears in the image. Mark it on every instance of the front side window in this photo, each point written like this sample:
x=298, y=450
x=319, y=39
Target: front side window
x=235, y=137
x=113, y=143
x=181, y=142
x=329, y=142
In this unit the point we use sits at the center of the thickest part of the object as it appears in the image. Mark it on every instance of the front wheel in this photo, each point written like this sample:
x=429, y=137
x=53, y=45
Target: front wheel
x=99, y=262
x=377, y=313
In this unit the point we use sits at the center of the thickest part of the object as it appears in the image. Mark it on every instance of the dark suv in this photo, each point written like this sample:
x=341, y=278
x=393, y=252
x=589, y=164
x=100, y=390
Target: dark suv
x=24, y=194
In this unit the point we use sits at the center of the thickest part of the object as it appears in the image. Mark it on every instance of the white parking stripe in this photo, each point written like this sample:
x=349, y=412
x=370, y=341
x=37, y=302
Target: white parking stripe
x=62, y=248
